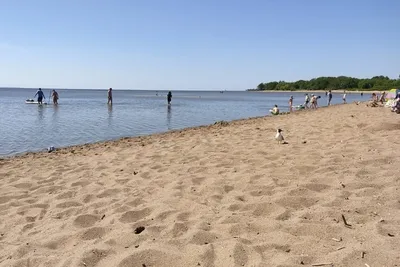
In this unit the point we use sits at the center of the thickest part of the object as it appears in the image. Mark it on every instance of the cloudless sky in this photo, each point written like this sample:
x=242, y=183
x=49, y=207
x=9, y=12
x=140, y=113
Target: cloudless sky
x=188, y=44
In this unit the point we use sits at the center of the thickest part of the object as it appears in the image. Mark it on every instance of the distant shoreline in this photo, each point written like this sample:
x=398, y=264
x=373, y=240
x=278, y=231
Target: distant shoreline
x=314, y=91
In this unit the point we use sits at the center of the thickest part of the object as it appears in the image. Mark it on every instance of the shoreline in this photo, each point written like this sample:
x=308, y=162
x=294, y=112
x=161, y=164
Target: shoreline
x=89, y=145
x=317, y=91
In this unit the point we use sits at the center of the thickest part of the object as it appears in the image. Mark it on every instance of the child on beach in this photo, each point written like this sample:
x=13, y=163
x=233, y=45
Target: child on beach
x=344, y=97
x=291, y=103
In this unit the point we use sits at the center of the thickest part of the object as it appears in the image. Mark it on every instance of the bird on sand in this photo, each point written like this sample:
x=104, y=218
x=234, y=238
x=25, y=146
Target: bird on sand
x=279, y=136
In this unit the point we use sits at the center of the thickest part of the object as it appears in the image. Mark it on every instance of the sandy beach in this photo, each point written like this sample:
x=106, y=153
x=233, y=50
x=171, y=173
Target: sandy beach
x=220, y=195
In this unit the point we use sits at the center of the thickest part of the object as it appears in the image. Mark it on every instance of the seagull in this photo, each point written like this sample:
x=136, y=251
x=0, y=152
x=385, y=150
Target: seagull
x=279, y=136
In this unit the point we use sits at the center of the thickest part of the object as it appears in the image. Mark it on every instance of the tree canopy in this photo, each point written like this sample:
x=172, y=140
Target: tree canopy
x=333, y=83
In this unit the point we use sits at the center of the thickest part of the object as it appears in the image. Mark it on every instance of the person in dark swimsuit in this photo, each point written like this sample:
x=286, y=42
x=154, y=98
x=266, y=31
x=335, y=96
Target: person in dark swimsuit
x=110, y=99
x=169, y=97
x=40, y=96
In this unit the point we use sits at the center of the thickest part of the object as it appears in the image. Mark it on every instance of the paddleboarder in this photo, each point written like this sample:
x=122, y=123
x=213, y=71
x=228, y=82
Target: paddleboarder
x=40, y=96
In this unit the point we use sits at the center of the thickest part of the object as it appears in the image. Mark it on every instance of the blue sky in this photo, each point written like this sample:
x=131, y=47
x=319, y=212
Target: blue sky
x=186, y=44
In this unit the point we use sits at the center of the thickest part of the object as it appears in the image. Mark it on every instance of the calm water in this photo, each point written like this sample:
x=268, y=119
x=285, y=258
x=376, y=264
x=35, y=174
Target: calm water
x=83, y=116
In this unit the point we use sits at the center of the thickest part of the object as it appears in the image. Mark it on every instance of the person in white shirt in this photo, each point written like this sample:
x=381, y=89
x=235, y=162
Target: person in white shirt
x=306, y=101
x=344, y=97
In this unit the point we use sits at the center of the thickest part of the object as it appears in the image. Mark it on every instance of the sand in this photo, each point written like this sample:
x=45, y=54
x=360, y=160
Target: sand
x=222, y=195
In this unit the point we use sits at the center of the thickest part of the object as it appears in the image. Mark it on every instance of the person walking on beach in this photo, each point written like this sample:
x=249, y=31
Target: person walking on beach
x=306, y=101
x=40, y=96
x=109, y=96
x=54, y=95
x=291, y=103
x=312, y=101
x=329, y=97
x=383, y=97
x=169, y=97
x=344, y=97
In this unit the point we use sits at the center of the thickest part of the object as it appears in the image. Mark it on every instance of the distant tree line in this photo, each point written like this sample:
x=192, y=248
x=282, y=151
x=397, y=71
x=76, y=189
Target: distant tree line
x=333, y=83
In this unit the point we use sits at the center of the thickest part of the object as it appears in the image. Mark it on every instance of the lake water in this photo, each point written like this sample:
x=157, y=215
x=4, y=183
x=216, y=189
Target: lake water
x=83, y=116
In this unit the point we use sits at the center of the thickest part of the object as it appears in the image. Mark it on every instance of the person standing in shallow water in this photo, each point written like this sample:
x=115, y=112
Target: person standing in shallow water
x=40, y=96
x=329, y=97
x=109, y=96
x=169, y=97
x=54, y=94
x=291, y=104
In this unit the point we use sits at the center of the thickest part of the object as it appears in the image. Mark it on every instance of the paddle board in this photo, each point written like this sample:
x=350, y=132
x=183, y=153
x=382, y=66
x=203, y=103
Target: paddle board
x=31, y=101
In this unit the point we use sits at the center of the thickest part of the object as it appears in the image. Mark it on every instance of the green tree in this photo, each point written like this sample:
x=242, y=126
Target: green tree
x=379, y=82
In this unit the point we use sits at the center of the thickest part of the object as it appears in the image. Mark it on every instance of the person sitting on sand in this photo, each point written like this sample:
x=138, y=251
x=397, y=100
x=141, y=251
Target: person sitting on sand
x=291, y=103
x=54, y=94
x=275, y=110
x=396, y=104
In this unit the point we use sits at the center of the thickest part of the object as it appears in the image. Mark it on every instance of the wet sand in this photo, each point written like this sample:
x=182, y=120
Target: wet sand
x=221, y=195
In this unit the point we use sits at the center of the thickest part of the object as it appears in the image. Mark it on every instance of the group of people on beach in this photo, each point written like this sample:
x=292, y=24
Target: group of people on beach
x=54, y=95
x=310, y=102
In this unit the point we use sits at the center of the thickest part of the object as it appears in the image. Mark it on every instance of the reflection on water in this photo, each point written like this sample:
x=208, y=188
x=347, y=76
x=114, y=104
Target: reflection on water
x=110, y=114
x=169, y=117
x=55, y=111
x=110, y=109
x=40, y=112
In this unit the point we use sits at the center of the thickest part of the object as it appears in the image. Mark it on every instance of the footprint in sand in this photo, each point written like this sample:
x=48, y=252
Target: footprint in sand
x=135, y=215
x=240, y=255
x=93, y=257
x=150, y=257
x=93, y=233
x=109, y=192
x=183, y=216
x=86, y=220
x=179, y=229
x=317, y=187
x=203, y=238
x=69, y=195
x=23, y=185
x=5, y=199
x=296, y=202
x=68, y=204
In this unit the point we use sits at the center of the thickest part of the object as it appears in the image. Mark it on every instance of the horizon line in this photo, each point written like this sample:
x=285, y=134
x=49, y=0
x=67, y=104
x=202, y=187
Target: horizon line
x=122, y=89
